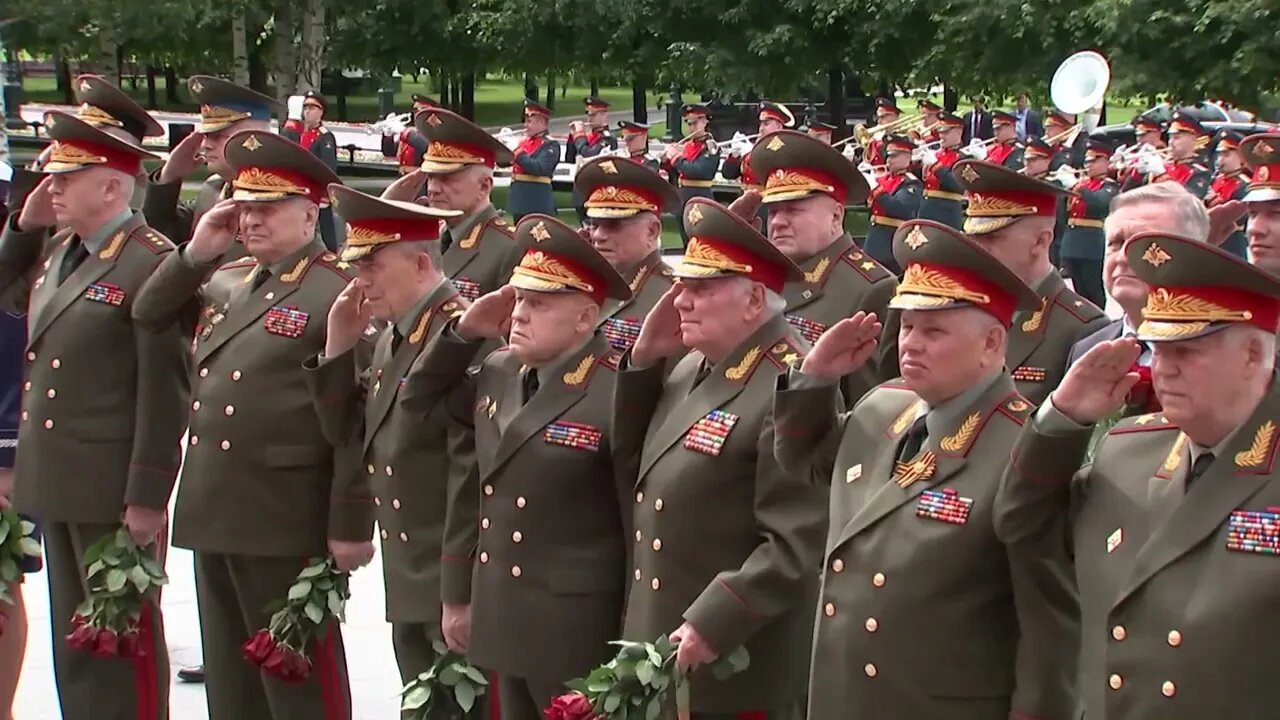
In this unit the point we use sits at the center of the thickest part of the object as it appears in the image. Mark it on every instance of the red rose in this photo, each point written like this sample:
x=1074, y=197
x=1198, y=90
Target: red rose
x=131, y=645
x=258, y=647
x=570, y=706
x=287, y=664
x=106, y=644
x=83, y=637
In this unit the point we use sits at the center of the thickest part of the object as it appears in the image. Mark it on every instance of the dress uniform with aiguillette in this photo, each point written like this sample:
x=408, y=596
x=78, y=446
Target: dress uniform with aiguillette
x=1175, y=544
x=111, y=110
x=630, y=129
x=547, y=592
x=1228, y=186
x=480, y=251
x=943, y=194
x=103, y=412
x=1008, y=153
x=1040, y=341
x=588, y=144
x=745, y=574
x=533, y=166
x=894, y=200
x=262, y=488
x=911, y=534
x=405, y=464
x=222, y=105
x=696, y=164
x=1084, y=244
x=841, y=279
x=615, y=188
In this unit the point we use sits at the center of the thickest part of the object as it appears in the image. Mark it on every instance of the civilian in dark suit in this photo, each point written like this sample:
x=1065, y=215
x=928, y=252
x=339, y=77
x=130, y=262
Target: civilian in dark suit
x=1030, y=124
x=977, y=122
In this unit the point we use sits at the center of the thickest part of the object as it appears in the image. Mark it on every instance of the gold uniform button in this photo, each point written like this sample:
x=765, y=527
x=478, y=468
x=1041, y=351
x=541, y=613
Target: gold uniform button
x=484, y=557
x=48, y=424
x=655, y=583
x=395, y=503
x=404, y=537
x=204, y=372
x=829, y=610
x=1118, y=632
x=484, y=523
x=270, y=296
x=639, y=497
x=377, y=501
x=517, y=537
x=229, y=410
x=195, y=404
x=384, y=534
x=27, y=386
x=837, y=565
x=195, y=439
x=369, y=468
x=25, y=415
x=488, y=489
x=657, y=505
x=55, y=364
x=1168, y=689
x=657, y=544
x=871, y=625
x=236, y=375
x=390, y=471
x=31, y=356
x=870, y=670
x=226, y=445
x=520, y=502
x=639, y=536
x=516, y=571
x=637, y=574
x=1115, y=681
x=1175, y=638
x=51, y=393
x=878, y=580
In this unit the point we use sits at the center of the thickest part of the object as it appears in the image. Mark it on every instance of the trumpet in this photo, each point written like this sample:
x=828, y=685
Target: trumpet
x=392, y=124
x=1066, y=137
x=864, y=135
x=740, y=144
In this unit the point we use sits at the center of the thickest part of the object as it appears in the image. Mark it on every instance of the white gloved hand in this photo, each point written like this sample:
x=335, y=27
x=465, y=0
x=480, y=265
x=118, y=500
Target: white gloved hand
x=1064, y=177
x=977, y=152
x=1152, y=165
x=928, y=158
x=849, y=151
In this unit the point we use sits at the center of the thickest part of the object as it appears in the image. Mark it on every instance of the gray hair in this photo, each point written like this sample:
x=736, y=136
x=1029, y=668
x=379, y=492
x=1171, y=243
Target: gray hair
x=773, y=302
x=1186, y=211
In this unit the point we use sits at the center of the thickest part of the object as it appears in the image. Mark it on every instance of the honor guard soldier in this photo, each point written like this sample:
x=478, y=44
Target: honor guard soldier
x=479, y=245
x=894, y=200
x=1084, y=244
x=316, y=138
x=104, y=398
x=635, y=136
x=408, y=146
x=111, y=110
x=912, y=532
x=625, y=203
x=807, y=186
x=547, y=592
x=820, y=130
x=587, y=140
x=1148, y=131
x=1173, y=522
x=932, y=114
x=887, y=112
x=255, y=439
x=533, y=165
x=694, y=160
x=943, y=195
x=394, y=248
x=1262, y=153
x=700, y=436
x=773, y=117
x=1005, y=150
x=1013, y=217
x=225, y=109
x=1230, y=183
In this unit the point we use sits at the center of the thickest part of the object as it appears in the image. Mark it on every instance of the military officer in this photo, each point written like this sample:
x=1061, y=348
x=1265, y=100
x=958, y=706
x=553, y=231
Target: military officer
x=1230, y=183
x=694, y=160
x=111, y=110
x=588, y=139
x=533, y=166
x=635, y=136
x=807, y=186
x=911, y=532
x=1173, y=523
x=942, y=193
x=894, y=200
x=887, y=112
x=625, y=202
x=1005, y=150
x=701, y=437
x=1013, y=216
x=225, y=109
x=255, y=438
x=479, y=248
x=1262, y=152
x=103, y=404
x=822, y=131
x=395, y=250
x=409, y=145
x=1084, y=243
x=547, y=594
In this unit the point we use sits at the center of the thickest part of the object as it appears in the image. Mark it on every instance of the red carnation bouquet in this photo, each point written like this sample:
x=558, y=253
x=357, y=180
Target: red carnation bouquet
x=123, y=581
x=317, y=596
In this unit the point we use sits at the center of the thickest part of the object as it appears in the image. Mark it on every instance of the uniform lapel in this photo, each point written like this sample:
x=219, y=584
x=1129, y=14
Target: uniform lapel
x=94, y=267
x=563, y=388
x=636, y=280
x=246, y=305
x=1245, y=467
x=816, y=269
x=466, y=248
x=1030, y=330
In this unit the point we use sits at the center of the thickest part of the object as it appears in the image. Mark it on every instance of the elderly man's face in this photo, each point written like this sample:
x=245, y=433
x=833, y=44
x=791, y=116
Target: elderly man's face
x=943, y=352
x=78, y=195
x=391, y=280
x=545, y=325
x=624, y=242
x=715, y=311
x=271, y=231
x=463, y=190
x=1264, y=234
x=805, y=227
x=1191, y=377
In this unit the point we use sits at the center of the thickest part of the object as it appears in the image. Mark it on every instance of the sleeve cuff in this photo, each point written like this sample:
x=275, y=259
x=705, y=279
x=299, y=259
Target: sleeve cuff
x=1049, y=420
x=455, y=579
x=722, y=617
x=351, y=520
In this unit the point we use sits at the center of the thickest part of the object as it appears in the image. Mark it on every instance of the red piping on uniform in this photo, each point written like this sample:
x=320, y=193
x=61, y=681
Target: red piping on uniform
x=144, y=669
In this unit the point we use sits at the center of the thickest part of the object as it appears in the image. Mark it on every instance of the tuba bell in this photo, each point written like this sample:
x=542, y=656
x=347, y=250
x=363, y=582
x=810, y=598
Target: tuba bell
x=1079, y=86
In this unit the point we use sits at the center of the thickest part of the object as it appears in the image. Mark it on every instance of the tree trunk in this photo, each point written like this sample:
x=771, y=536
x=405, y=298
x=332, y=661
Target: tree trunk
x=64, y=81
x=171, y=85
x=311, y=49
x=107, y=58
x=340, y=88
x=455, y=93
x=551, y=92
x=595, y=86
x=530, y=87
x=286, y=61
x=257, y=67
x=239, y=50
x=151, y=87
x=469, y=95
x=639, y=102
x=835, y=97
x=950, y=99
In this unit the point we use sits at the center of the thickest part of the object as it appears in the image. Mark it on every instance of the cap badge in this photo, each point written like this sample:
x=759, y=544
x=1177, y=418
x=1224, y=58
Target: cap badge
x=609, y=168
x=969, y=174
x=695, y=215
x=85, y=86
x=196, y=86
x=775, y=144
x=1156, y=256
x=539, y=232
x=916, y=238
x=251, y=143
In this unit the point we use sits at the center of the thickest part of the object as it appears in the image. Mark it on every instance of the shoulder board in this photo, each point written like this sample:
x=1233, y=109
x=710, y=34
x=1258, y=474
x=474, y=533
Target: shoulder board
x=245, y=262
x=785, y=353
x=1142, y=423
x=895, y=384
x=866, y=266
x=324, y=130
x=1016, y=408
x=1079, y=308
x=153, y=241
x=338, y=267
x=611, y=359
x=500, y=223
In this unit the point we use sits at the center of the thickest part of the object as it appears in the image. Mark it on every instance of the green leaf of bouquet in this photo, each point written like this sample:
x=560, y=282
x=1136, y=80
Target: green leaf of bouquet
x=465, y=694
x=116, y=580
x=473, y=672
x=416, y=698
x=314, y=613
x=300, y=590
x=449, y=675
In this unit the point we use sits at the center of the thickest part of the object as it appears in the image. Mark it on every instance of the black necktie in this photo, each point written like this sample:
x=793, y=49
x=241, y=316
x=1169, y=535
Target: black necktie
x=912, y=441
x=530, y=384
x=446, y=239
x=260, y=277
x=704, y=371
x=1198, y=468
x=396, y=339
x=72, y=259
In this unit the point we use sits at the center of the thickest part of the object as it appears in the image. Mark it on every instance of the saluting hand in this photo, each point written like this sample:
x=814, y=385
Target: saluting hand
x=489, y=316
x=350, y=556
x=406, y=188
x=182, y=160
x=215, y=232
x=348, y=317
x=691, y=650
x=37, y=211
x=1223, y=219
x=843, y=347
x=746, y=206
x=1098, y=383
x=660, y=336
